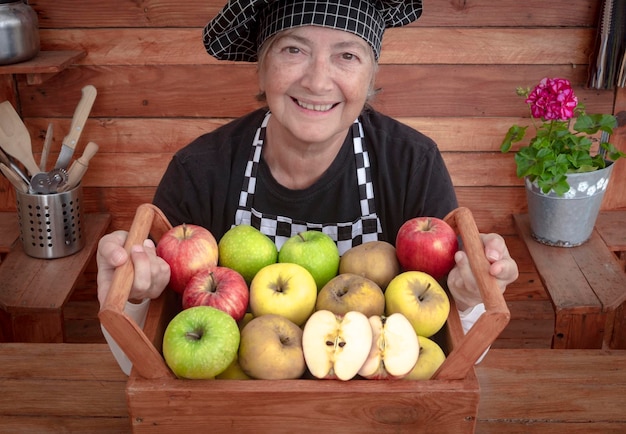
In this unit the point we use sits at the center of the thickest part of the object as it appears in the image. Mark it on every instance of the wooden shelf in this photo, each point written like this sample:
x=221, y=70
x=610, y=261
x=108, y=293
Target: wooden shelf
x=44, y=65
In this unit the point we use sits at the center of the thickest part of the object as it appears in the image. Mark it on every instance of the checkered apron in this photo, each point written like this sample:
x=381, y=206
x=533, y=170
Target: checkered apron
x=279, y=228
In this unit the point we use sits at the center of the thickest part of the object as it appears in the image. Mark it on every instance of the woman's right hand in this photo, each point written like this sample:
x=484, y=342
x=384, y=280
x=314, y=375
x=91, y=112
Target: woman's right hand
x=151, y=273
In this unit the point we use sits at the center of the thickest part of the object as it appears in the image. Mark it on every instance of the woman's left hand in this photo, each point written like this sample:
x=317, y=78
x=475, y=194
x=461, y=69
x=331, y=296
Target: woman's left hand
x=461, y=281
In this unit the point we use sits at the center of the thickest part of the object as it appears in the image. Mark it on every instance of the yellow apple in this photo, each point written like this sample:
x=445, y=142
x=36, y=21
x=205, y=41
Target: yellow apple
x=431, y=357
x=421, y=299
x=233, y=372
x=283, y=289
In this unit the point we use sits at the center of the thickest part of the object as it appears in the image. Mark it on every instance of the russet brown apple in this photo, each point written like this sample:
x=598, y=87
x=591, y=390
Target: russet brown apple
x=351, y=292
x=375, y=260
x=271, y=349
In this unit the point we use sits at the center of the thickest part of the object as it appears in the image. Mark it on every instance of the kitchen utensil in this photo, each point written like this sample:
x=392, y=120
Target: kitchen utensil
x=81, y=113
x=19, y=32
x=4, y=158
x=46, y=148
x=45, y=183
x=15, y=138
x=14, y=178
x=78, y=168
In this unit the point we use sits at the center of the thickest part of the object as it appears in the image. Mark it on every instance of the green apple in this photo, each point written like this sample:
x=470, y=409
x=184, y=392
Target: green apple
x=395, y=348
x=284, y=289
x=347, y=292
x=315, y=251
x=246, y=250
x=431, y=357
x=419, y=297
x=336, y=346
x=200, y=342
x=271, y=349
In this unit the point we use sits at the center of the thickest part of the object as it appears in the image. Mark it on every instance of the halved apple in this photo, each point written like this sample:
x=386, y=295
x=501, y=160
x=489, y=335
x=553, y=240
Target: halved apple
x=336, y=346
x=395, y=348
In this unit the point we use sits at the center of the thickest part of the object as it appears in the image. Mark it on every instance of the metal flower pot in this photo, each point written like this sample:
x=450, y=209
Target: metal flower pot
x=568, y=220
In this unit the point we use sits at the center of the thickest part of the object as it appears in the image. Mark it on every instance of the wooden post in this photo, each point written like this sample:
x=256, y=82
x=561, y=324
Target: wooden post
x=615, y=196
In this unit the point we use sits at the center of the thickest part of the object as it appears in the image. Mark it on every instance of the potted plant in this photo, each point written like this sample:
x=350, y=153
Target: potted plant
x=563, y=163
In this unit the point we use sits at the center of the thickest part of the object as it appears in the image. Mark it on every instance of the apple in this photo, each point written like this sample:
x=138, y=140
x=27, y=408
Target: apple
x=427, y=244
x=375, y=260
x=394, y=350
x=200, y=342
x=245, y=249
x=420, y=298
x=336, y=346
x=233, y=372
x=315, y=251
x=219, y=287
x=431, y=357
x=187, y=249
x=348, y=292
x=271, y=349
x=283, y=289
x=246, y=319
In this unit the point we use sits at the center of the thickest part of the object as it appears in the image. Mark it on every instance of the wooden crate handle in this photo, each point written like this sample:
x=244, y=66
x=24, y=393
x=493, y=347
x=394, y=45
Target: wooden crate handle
x=149, y=220
x=489, y=326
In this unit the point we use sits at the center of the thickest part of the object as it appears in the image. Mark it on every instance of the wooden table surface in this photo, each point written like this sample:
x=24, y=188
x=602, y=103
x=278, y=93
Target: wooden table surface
x=34, y=291
x=9, y=231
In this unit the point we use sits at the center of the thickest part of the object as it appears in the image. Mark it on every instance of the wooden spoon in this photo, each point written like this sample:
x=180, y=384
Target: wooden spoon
x=15, y=139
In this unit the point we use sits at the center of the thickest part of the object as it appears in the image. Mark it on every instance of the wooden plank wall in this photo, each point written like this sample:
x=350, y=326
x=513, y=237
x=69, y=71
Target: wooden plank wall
x=452, y=74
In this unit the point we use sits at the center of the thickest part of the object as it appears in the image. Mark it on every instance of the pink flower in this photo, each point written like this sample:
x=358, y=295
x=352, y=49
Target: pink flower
x=552, y=99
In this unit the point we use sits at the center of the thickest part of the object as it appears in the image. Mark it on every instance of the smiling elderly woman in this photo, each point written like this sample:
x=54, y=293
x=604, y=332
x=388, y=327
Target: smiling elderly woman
x=317, y=157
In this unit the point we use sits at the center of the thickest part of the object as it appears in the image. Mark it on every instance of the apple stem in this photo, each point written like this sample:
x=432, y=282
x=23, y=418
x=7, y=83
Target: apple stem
x=184, y=231
x=421, y=296
x=195, y=336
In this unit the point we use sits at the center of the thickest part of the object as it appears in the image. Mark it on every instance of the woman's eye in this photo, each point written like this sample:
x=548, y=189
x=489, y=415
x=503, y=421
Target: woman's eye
x=292, y=50
x=348, y=56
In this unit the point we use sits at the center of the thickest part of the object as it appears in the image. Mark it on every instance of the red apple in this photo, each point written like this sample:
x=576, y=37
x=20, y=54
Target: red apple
x=187, y=249
x=427, y=244
x=218, y=287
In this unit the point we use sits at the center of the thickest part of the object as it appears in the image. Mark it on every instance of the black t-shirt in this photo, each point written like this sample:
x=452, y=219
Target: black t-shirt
x=203, y=181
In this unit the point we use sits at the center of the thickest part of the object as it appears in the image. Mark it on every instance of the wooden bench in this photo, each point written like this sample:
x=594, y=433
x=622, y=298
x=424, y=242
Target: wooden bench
x=586, y=285
x=33, y=292
x=552, y=391
x=53, y=388
x=78, y=388
x=9, y=232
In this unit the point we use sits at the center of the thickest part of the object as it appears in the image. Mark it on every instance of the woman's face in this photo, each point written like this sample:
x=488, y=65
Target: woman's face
x=316, y=81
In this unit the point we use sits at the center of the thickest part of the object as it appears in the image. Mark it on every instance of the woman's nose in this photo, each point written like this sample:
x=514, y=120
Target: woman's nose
x=318, y=76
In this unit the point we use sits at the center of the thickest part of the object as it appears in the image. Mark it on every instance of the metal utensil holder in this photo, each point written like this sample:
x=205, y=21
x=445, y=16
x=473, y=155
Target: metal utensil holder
x=50, y=224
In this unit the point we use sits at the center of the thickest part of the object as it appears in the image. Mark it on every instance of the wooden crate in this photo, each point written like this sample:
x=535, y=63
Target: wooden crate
x=160, y=402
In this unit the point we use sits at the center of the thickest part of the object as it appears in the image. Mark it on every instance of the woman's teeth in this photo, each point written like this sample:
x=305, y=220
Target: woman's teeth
x=315, y=107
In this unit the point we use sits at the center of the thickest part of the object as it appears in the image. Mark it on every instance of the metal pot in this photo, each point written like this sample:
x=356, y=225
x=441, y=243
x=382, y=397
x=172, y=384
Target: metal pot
x=19, y=32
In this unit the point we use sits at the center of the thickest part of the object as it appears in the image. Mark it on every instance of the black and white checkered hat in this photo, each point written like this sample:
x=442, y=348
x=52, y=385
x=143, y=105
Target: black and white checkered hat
x=242, y=26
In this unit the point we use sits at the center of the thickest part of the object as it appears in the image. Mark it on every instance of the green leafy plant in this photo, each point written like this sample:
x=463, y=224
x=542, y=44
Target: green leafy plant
x=558, y=148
